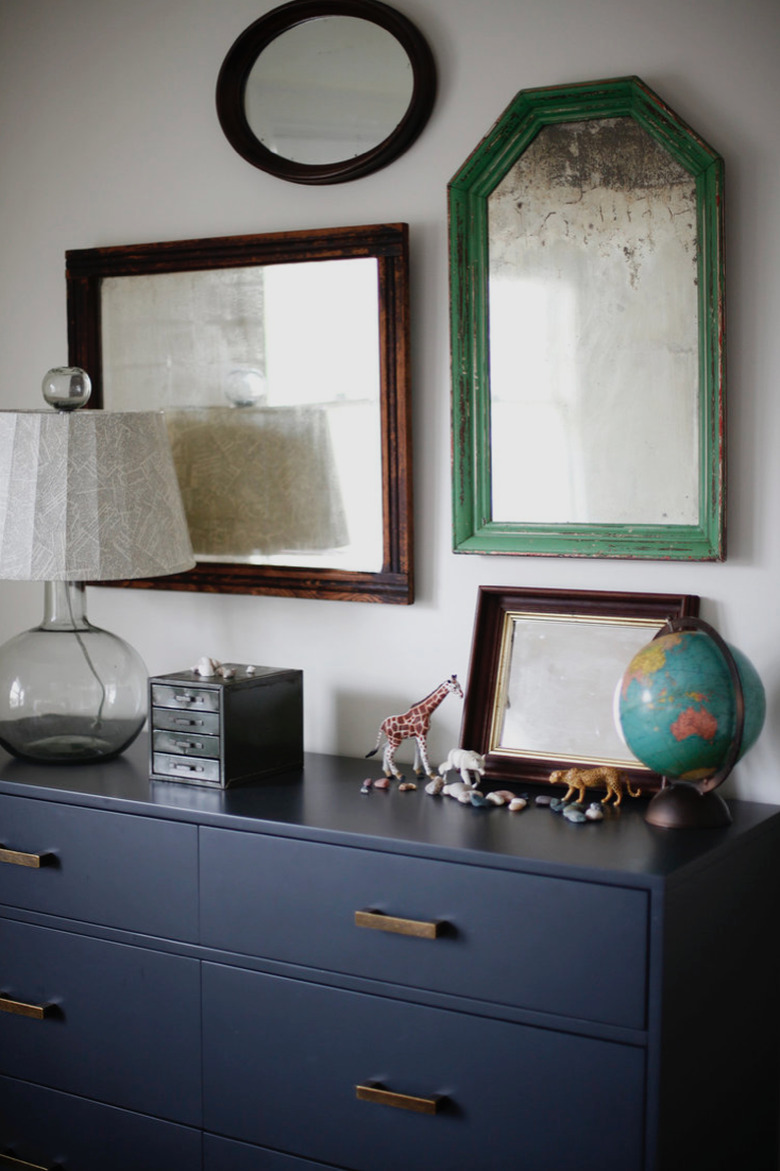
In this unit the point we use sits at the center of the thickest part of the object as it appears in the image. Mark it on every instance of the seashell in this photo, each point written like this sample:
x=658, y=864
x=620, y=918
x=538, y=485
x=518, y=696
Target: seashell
x=435, y=786
x=225, y=672
x=382, y=783
x=573, y=813
x=516, y=804
x=406, y=787
x=206, y=667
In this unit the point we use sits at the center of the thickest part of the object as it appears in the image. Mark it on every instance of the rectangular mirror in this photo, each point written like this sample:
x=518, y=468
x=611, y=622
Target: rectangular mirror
x=587, y=331
x=281, y=362
x=544, y=668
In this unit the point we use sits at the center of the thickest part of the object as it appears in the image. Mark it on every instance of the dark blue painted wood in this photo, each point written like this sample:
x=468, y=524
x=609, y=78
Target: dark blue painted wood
x=224, y=1154
x=45, y=1127
x=104, y=868
x=124, y=1027
x=544, y=944
x=513, y=1092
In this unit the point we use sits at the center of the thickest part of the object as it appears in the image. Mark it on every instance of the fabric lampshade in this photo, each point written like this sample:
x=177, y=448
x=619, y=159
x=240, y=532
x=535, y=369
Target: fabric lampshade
x=89, y=496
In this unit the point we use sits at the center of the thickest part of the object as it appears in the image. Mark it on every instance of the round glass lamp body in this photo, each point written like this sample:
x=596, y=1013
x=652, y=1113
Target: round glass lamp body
x=677, y=705
x=69, y=691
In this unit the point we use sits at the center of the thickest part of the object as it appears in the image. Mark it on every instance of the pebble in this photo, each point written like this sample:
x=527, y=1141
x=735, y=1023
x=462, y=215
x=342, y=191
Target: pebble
x=594, y=812
x=478, y=799
x=543, y=799
x=516, y=804
x=382, y=783
x=496, y=798
x=573, y=813
x=435, y=786
x=557, y=805
x=406, y=787
x=456, y=789
x=366, y=786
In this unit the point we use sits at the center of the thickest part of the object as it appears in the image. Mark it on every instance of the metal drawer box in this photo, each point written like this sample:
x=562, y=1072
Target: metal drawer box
x=241, y=726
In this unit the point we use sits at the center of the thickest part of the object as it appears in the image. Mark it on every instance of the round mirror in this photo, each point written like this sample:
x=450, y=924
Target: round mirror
x=322, y=91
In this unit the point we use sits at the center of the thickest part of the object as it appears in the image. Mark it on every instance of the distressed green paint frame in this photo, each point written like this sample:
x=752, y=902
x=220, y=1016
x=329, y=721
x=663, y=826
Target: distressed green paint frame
x=474, y=531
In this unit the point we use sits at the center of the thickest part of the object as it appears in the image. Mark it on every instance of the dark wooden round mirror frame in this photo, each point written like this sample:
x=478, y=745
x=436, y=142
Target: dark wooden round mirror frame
x=231, y=89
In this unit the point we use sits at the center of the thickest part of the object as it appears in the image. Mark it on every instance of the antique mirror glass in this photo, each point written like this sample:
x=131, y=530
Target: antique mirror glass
x=321, y=91
x=280, y=363
x=587, y=331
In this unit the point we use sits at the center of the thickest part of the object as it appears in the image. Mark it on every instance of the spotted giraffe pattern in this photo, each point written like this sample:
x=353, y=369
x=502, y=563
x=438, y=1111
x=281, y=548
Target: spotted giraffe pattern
x=413, y=725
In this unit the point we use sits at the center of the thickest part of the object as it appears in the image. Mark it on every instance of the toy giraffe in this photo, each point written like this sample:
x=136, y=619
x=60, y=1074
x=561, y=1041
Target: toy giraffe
x=413, y=725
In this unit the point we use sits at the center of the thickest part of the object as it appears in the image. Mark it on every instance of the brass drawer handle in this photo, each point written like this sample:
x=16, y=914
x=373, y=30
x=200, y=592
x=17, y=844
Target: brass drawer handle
x=415, y=927
x=10, y=1161
x=19, y=858
x=19, y=1008
x=401, y=1101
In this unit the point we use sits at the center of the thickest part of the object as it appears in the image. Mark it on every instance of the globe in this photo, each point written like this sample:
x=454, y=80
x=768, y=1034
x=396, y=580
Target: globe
x=677, y=704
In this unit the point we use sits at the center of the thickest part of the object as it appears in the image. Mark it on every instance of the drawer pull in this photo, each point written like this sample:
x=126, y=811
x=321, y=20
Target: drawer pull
x=401, y=1101
x=415, y=927
x=19, y=858
x=184, y=698
x=188, y=768
x=19, y=1008
x=10, y=1163
x=183, y=744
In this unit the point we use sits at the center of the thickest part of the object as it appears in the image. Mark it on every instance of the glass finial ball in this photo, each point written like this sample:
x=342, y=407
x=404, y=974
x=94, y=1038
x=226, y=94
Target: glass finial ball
x=66, y=387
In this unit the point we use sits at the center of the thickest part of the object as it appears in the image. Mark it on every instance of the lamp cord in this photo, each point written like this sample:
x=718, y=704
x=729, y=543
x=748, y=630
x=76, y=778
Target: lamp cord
x=90, y=664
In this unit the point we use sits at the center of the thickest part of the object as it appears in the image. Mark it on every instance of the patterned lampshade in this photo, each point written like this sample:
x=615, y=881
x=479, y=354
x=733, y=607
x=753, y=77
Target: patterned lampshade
x=89, y=496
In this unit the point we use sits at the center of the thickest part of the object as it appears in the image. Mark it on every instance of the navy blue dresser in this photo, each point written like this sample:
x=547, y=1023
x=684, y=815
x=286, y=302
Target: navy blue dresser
x=294, y=975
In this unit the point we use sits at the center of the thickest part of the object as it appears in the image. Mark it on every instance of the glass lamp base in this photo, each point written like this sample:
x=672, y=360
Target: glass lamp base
x=70, y=692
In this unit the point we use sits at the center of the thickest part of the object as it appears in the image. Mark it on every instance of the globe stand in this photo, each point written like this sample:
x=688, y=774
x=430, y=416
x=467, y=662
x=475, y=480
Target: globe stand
x=695, y=804
x=683, y=806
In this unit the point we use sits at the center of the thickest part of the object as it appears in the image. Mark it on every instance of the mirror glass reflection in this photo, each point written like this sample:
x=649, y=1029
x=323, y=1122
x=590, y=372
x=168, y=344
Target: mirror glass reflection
x=593, y=331
x=269, y=377
x=328, y=89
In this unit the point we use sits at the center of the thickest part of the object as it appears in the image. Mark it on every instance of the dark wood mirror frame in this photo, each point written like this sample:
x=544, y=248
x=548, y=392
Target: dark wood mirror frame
x=242, y=56
x=388, y=244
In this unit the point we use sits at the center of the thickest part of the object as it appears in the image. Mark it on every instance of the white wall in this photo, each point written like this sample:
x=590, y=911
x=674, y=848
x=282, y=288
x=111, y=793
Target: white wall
x=108, y=135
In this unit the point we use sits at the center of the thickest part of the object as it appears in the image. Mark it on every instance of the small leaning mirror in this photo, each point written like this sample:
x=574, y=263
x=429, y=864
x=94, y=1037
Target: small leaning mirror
x=586, y=236
x=323, y=91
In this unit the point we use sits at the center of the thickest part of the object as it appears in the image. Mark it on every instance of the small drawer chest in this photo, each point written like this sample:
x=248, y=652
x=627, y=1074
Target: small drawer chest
x=294, y=975
x=215, y=730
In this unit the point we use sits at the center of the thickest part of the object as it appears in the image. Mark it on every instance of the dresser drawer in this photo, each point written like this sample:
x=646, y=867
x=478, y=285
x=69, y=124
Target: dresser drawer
x=225, y=1154
x=471, y=1092
x=99, y=867
x=185, y=698
x=41, y=1127
x=188, y=723
x=121, y=1024
x=571, y=948
x=189, y=768
x=188, y=743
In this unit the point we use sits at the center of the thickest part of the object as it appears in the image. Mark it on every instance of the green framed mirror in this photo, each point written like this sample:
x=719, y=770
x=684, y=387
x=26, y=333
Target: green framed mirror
x=587, y=327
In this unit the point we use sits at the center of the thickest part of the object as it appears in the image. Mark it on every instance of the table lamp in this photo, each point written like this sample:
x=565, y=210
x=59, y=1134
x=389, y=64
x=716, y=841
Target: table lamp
x=85, y=496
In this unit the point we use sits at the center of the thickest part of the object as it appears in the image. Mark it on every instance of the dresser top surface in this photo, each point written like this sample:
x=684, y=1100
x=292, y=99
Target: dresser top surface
x=323, y=802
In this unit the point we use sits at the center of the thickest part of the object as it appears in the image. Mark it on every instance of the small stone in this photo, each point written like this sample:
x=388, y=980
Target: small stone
x=516, y=804
x=382, y=783
x=479, y=800
x=495, y=798
x=557, y=805
x=543, y=799
x=504, y=794
x=456, y=789
x=574, y=813
x=406, y=787
x=594, y=812
x=366, y=786
x=435, y=786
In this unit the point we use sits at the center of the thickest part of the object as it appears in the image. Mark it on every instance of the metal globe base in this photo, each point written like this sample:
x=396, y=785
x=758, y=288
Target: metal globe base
x=683, y=806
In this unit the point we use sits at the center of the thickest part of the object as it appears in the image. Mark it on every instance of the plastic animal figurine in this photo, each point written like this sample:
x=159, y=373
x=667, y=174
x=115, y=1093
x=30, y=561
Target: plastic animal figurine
x=580, y=779
x=413, y=725
x=466, y=762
